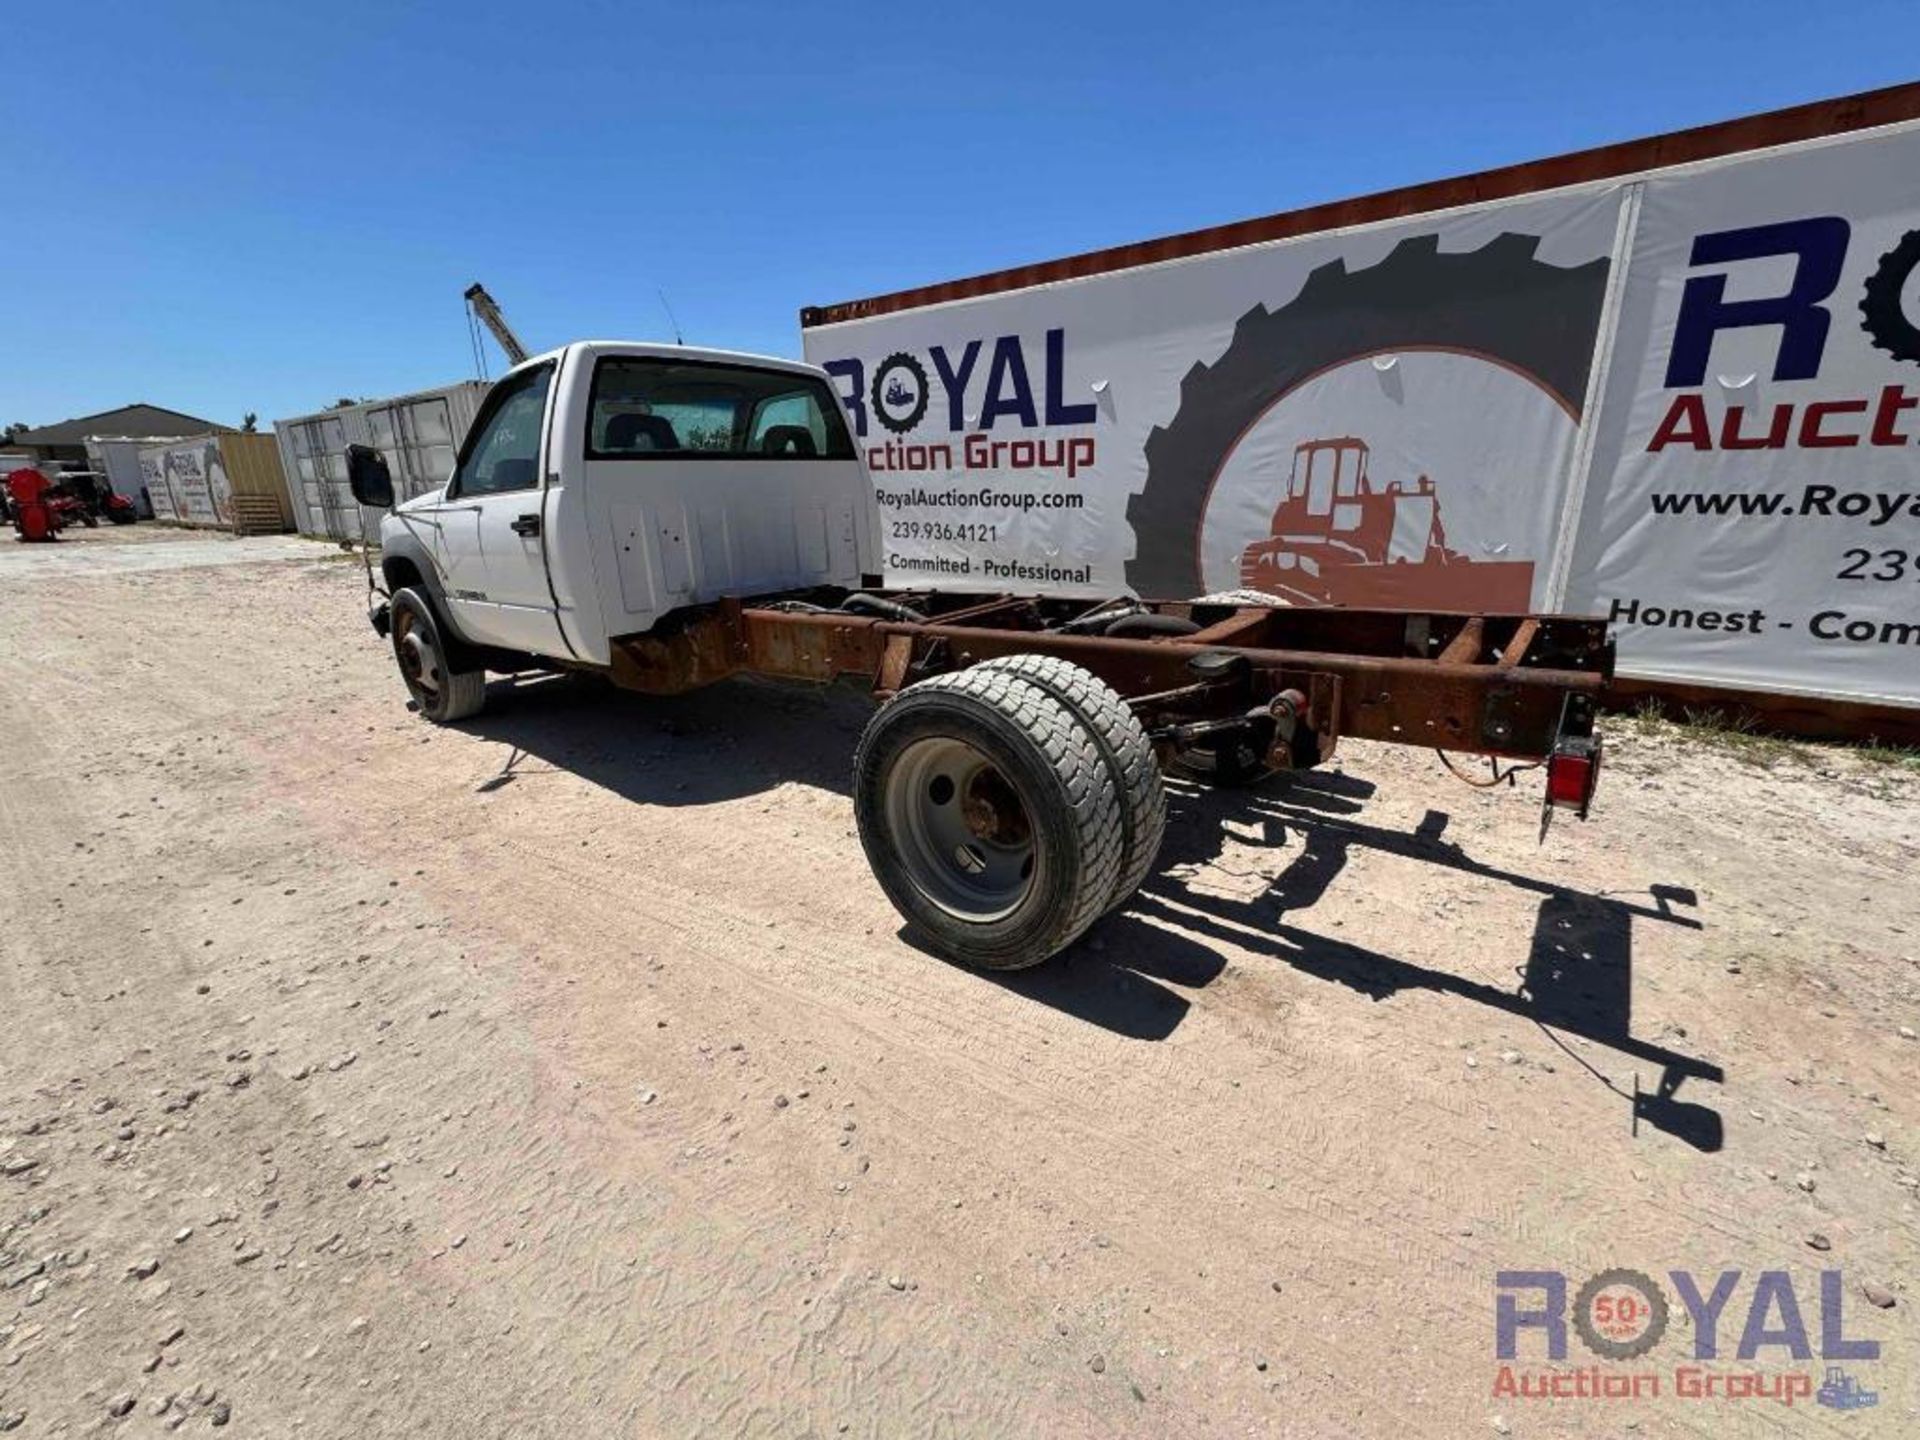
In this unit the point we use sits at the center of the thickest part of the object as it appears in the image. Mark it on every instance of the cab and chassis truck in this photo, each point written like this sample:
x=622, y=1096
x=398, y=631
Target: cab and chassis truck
x=670, y=517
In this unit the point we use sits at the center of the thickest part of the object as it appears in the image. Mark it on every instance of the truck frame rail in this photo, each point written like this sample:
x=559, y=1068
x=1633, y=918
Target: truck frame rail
x=1291, y=681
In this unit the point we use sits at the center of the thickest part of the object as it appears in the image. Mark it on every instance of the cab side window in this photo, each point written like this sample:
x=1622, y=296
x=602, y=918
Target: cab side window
x=503, y=453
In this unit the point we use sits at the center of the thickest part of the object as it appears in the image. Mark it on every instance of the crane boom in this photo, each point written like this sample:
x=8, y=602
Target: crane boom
x=484, y=306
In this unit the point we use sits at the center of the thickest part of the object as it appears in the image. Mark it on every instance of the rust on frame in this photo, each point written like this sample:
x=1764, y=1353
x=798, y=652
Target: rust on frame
x=1489, y=684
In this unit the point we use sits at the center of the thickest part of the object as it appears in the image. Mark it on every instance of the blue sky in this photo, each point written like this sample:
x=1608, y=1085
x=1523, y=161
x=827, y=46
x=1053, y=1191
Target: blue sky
x=224, y=207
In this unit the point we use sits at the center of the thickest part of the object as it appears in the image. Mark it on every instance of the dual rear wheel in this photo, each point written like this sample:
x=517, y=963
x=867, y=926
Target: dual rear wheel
x=1005, y=808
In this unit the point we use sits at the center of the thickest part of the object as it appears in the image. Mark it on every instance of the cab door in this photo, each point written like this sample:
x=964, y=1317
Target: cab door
x=492, y=548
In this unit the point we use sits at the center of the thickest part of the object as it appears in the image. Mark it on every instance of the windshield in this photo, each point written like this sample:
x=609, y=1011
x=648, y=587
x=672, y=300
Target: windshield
x=646, y=408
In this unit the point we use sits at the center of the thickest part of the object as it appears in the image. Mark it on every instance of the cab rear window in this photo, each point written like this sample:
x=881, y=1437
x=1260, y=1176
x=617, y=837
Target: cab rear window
x=647, y=408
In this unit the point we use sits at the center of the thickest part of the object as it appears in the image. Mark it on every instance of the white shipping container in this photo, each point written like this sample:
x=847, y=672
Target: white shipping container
x=157, y=487
x=419, y=433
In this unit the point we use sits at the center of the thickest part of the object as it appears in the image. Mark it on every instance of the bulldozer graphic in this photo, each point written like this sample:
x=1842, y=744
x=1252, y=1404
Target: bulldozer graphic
x=1840, y=1391
x=1338, y=540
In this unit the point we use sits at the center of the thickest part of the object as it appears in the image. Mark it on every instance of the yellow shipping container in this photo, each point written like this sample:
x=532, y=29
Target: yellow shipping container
x=228, y=481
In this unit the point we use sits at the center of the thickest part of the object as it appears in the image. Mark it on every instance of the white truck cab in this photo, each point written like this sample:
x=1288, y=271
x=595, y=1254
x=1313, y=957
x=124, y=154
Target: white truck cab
x=606, y=484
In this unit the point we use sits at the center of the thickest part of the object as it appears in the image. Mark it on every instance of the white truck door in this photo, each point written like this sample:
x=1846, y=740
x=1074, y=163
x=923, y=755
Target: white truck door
x=490, y=530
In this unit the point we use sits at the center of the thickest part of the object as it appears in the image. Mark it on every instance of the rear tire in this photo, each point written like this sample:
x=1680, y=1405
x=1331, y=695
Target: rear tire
x=419, y=646
x=1125, y=748
x=989, y=817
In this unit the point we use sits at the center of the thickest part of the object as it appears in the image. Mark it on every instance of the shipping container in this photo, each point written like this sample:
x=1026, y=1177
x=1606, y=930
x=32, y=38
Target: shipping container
x=228, y=481
x=1670, y=382
x=419, y=434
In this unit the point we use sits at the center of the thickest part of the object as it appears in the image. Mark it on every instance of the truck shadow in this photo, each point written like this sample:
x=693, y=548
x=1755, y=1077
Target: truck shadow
x=1118, y=977
x=1576, y=979
x=746, y=736
x=730, y=740
x=1133, y=973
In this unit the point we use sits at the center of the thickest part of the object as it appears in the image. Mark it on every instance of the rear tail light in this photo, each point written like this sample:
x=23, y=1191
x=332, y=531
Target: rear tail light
x=1573, y=771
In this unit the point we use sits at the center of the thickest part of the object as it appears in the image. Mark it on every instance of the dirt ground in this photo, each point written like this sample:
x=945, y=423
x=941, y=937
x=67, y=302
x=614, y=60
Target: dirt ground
x=566, y=1074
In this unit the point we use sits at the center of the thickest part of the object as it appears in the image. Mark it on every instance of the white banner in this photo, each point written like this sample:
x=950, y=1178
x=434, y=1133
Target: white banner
x=153, y=475
x=1753, y=517
x=1384, y=417
x=1392, y=417
x=193, y=480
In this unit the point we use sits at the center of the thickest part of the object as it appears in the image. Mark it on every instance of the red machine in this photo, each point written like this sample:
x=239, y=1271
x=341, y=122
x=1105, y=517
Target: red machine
x=117, y=508
x=89, y=497
x=37, y=513
x=1338, y=541
x=69, y=507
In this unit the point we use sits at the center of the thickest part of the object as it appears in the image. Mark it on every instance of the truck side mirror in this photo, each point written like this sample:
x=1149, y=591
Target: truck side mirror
x=368, y=477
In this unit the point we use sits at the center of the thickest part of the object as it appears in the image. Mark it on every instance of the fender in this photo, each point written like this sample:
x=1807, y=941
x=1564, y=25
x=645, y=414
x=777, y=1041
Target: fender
x=399, y=544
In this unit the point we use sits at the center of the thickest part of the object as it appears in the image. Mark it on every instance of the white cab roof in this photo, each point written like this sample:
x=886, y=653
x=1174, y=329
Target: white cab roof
x=657, y=351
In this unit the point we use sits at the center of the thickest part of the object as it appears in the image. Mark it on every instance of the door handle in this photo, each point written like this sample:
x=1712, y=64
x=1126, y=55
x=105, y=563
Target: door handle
x=526, y=525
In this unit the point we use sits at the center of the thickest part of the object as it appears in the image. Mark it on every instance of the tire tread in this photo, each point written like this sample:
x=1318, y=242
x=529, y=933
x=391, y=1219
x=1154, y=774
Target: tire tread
x=1124, y=746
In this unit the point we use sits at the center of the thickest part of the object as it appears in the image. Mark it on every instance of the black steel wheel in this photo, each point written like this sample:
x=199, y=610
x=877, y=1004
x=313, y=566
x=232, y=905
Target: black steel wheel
x=442, y=693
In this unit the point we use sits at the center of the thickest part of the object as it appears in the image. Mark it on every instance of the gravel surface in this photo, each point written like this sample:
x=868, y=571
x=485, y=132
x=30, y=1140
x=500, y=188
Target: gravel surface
x=567, y=1074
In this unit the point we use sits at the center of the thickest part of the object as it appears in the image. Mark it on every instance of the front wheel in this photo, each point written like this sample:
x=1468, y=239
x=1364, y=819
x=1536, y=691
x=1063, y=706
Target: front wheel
x=442, y=693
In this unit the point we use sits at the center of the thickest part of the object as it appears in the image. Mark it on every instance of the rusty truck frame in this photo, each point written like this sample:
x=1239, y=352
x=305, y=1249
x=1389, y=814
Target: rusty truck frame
x=1519, y=687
